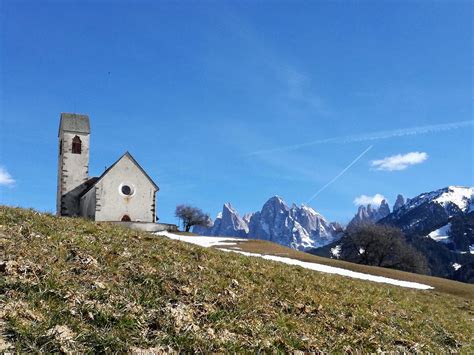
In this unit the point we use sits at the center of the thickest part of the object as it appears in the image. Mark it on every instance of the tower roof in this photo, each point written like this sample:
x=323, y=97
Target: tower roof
x=74, y=122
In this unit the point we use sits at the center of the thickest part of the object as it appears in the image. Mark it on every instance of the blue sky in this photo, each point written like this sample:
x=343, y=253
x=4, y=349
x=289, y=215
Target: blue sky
x=218, y=100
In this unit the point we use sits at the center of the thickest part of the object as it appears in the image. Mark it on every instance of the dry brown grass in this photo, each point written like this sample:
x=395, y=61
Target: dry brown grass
x=69, y=285
x=441, y=285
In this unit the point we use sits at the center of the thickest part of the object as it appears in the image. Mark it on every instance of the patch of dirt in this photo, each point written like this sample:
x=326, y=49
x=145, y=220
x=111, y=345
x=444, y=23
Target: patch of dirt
x=182, y=316
x=82, y=259
x=63, y=336
x=152, y=351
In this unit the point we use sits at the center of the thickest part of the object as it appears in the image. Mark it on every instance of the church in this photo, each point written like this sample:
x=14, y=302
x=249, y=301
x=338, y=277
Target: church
x=123, y=193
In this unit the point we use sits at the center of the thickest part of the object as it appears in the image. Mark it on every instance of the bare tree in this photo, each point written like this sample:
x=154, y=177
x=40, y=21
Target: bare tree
x=192, y=216
x=383, y=246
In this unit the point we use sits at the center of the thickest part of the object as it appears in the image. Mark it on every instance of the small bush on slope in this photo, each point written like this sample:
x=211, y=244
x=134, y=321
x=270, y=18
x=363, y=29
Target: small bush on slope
x=73, y=285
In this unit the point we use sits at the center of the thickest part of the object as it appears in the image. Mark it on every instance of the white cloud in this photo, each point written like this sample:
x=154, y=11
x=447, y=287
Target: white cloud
x=5, y=178
x=399, y=161
x=375, y=200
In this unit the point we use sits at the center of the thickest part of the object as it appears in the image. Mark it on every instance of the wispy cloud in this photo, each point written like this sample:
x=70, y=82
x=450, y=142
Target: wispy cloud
x=295, y=86
x=5, y=178
x=343, y=171
x=299, y=89
x=371, y=136
x=363, y=200
x=399, y=161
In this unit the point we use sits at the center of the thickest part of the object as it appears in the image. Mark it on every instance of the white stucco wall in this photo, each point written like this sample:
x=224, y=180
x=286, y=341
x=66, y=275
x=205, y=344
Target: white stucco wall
x=73, y=169
x=75, y=166
x=112, y=205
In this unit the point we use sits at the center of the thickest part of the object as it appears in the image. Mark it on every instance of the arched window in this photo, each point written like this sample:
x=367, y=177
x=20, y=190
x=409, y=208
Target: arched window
x=126, y=218
x=76, y=145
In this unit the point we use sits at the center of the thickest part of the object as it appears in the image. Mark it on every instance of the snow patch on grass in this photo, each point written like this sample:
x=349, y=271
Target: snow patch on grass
x=336, y=270
x=202, y=241
x=226, y=241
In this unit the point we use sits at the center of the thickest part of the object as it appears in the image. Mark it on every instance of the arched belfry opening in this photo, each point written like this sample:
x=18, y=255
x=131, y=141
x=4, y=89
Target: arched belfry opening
x=76, y=145
x=73, y=162
x=126, y=218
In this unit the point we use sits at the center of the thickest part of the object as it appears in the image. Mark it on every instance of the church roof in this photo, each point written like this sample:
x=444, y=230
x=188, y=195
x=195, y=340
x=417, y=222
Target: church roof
x=127, y=154
x=74, y=122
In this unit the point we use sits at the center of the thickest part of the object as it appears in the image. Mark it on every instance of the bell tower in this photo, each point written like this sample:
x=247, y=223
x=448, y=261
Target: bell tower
x=73, y=162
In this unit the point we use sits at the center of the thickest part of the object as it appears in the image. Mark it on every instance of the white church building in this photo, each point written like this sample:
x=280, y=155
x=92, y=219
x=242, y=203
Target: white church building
x=123, y=193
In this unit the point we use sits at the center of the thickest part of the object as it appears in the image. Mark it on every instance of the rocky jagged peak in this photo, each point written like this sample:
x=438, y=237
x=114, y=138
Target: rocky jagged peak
x=247, y=217
x=370, y=214
x=384, y=209
x=337, y=227
x=399, y=202
x=309, y=210
x=296, y=227
x=231, y=224
x=361, y=209
x=227, y=223
x=276, y=202
x=227, y=209
x=274, y=207
x=370, y=210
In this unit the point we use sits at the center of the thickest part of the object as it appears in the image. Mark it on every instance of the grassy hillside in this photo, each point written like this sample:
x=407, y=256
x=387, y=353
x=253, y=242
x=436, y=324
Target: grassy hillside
x=440, y=284
x=69, y=284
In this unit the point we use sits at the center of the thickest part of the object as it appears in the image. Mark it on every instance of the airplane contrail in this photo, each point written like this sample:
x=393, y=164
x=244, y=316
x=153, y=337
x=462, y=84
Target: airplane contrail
x=343, y=171
x=370, y=136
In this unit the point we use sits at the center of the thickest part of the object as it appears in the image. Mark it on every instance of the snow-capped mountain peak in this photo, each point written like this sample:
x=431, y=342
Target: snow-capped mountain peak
x=458, y=195
x=444, y=215
x=452, y=199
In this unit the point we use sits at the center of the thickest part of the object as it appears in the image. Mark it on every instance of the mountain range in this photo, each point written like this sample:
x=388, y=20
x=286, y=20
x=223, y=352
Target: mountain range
x=430, y=214
x=300, y=228
x=439, y=223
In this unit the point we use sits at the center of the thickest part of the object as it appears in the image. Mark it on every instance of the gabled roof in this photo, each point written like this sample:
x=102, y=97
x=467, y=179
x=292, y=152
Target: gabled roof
x=74, y=122
x=139, y=167
x=127, y=154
